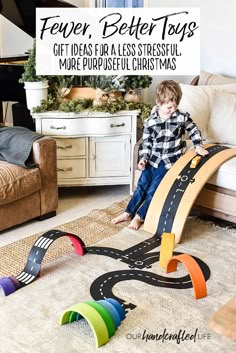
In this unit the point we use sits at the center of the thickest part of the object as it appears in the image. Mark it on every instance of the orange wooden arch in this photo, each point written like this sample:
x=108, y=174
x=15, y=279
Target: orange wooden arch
x=194, y=270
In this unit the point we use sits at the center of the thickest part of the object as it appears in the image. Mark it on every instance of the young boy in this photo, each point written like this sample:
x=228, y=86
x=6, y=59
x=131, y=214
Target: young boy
x=162, y=144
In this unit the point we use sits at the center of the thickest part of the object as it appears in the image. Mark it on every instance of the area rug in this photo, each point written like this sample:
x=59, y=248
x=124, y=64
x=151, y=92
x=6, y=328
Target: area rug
x=159, y=318
x=91, y=228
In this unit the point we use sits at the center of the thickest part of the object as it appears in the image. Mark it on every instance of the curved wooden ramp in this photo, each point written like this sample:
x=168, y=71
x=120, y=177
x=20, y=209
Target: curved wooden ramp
x=179, y=189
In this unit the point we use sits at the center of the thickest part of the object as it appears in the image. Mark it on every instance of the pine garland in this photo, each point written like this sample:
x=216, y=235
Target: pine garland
x=80, y=105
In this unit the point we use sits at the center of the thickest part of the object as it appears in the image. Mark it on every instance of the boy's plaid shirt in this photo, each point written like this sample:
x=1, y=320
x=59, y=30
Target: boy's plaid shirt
x=164, y=140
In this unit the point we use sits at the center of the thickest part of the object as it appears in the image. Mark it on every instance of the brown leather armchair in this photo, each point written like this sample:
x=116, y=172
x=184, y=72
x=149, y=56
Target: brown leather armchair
x=29, y=193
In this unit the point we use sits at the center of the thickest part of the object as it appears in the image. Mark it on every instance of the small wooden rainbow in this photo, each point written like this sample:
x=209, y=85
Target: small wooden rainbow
x=103, y=316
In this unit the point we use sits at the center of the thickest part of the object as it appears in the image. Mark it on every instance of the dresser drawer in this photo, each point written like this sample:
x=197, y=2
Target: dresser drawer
x=60, y=127
x=71, y=168
x=86, y=126
x=110, y=125
x=71, y=147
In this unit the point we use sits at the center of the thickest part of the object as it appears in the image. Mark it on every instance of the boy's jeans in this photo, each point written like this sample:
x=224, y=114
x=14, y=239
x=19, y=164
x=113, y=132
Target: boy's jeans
x=148, y=182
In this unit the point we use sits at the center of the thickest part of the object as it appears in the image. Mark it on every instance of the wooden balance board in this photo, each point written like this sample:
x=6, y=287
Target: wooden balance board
x=175, y=196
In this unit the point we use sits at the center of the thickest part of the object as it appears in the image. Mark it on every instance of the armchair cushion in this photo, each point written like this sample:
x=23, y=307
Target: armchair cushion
x=17, y=182
x=29, y=193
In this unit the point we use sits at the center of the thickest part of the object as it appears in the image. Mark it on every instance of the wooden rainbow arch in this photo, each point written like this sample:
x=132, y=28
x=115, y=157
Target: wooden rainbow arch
x=195, y=272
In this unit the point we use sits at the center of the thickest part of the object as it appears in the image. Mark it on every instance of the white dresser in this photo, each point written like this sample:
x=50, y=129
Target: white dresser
x=92, y=148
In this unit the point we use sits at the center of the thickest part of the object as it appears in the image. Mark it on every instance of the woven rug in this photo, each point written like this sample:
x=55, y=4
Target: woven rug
x=91, y=228
x=29, y=318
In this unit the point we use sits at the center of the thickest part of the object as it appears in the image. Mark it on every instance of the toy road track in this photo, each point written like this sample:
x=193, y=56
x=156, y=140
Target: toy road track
x=35, y=258
x=179, y=189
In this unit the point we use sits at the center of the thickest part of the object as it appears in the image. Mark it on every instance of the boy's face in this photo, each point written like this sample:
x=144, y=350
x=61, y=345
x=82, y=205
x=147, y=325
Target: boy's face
x=167, y=109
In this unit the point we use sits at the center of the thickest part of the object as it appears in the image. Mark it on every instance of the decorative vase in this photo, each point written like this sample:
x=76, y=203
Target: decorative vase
x=81, y=92
x=35, y=93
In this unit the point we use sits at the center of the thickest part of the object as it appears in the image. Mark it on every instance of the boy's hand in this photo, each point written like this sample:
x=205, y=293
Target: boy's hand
x=142, y=164
x=201, y=150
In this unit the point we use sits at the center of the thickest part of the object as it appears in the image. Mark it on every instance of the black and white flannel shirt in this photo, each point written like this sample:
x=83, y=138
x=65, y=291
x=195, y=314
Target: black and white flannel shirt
x=164, y=140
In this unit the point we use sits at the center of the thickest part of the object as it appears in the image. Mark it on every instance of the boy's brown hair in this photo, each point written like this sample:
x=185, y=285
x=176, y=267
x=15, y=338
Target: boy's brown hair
x=168, y=91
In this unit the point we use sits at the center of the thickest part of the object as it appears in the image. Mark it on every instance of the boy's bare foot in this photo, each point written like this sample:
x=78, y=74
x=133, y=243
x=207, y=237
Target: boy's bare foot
x=121, y=218
x=135, y=223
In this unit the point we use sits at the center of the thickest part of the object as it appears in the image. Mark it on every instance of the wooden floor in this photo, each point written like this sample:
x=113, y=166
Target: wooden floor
x=224, y=320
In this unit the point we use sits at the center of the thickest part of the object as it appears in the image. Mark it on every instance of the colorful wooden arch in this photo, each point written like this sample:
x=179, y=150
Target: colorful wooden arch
x=166, y=248
x=111, y=328
x=94, y=319
x=112, y=311
x=103, y=316
x=194, y=270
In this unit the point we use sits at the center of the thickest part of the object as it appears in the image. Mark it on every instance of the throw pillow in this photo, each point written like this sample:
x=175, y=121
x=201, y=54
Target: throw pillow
x=222, y=125
x=197, y=100
x=207, y=78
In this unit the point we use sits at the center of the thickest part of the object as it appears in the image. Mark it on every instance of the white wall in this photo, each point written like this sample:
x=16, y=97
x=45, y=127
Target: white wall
x=218, y=38
x=218, y=32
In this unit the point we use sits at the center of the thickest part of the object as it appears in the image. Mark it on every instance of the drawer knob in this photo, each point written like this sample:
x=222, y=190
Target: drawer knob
x=117, y=125
x=57, y=127
x=64, y=147
x=65, y=169
x=92, y=156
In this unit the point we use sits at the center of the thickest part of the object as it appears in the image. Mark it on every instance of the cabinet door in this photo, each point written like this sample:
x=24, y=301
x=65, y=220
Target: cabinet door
x=109, y=156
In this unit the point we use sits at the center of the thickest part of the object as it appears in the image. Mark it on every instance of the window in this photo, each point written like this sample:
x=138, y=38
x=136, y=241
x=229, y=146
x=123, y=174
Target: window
x=119, y=3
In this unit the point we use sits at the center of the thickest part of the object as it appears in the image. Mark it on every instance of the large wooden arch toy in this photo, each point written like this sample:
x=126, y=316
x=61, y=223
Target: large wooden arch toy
x=179, y=189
